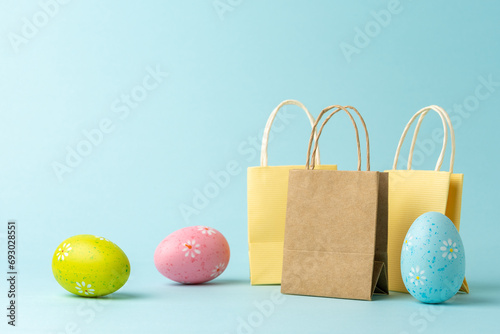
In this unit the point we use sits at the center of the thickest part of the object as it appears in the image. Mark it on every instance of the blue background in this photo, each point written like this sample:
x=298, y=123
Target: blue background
x=227, y=69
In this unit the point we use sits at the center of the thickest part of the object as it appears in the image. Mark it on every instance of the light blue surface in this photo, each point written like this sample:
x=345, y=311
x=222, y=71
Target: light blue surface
x=433, y=259
x=180, y=92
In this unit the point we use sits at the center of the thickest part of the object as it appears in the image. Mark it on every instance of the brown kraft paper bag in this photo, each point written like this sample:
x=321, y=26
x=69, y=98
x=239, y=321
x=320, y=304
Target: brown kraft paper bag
x=336, y=228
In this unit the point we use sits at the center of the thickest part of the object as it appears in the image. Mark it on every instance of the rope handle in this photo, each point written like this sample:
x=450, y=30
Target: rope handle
x=445, y=119
x=267, y=129
x=339, y=108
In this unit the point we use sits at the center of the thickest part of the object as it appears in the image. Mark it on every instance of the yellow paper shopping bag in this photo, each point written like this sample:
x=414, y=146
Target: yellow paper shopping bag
x=415, y=192
x=267, y=197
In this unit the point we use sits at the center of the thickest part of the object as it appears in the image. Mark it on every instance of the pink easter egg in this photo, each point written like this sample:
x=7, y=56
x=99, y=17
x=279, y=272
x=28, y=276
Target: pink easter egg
x=192, y=255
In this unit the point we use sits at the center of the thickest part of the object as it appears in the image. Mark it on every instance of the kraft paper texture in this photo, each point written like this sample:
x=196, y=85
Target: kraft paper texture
x=336, y=234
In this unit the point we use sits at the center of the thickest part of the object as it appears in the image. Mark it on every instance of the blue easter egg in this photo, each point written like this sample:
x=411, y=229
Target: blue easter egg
x=432, y=259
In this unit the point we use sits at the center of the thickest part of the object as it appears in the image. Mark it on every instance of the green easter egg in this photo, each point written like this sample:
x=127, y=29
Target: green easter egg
x=90, y=266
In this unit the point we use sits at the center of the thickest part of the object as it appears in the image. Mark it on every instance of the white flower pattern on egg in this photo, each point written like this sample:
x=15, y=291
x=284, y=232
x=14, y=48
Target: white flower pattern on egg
x=206, y=230
x=82, y=288
x=63, y=251
x=416, y=276
x=218, y=270
x=191, y=248
x=407, y=242
x=101, y=238
x=449, y=249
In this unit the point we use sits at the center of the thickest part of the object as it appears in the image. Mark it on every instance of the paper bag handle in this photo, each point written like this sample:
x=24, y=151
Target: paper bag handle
x=452, y=134
x=267, y=129
x=445, y=120
x=355, y=128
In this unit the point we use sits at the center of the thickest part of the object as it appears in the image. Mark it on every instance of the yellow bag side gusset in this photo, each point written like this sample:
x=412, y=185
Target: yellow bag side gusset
x=454, y=205
x=454, y=209
x=267, y=199
x=411, y=194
